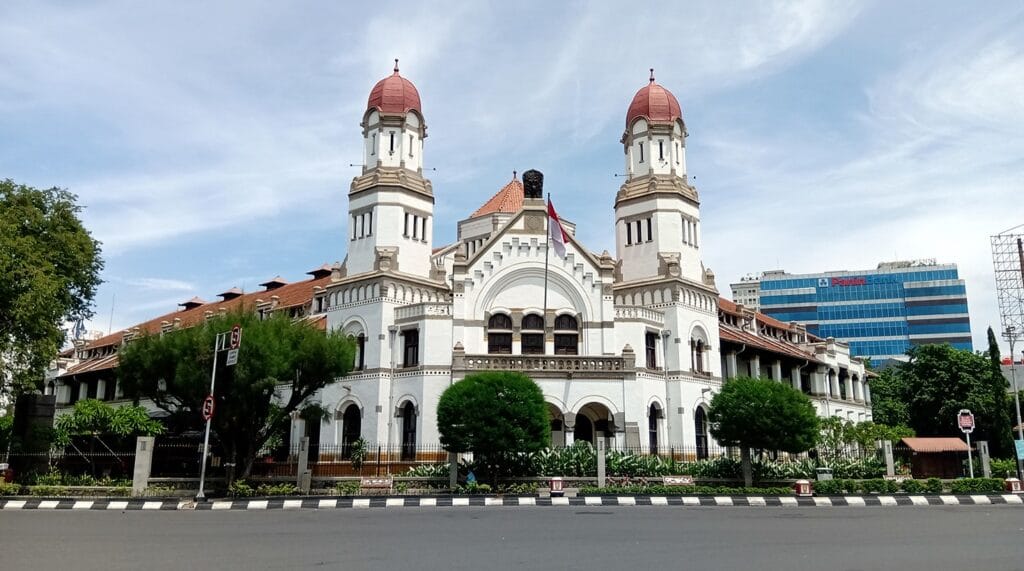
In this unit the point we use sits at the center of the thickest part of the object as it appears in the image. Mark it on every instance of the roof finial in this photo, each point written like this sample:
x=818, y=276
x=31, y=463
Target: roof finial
x=514, y=175
x=396, y=67
x=652, y=72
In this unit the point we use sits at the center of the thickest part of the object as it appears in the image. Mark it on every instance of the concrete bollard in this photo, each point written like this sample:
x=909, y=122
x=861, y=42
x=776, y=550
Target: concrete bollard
x=983, y=456
x=600, y=463
x=453, y=470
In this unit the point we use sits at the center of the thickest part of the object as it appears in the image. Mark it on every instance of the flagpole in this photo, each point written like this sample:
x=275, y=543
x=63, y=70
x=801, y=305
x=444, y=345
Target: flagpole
x=547, y=256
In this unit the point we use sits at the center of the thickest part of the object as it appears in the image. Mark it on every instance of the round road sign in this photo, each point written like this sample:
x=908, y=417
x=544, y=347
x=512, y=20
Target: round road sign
x=208, y=407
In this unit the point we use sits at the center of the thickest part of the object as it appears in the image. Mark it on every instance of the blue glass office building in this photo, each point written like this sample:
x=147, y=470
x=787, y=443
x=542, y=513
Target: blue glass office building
x=881, y=313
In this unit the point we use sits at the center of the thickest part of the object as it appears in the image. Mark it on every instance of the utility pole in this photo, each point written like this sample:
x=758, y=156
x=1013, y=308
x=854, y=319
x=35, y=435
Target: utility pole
x=234, y=339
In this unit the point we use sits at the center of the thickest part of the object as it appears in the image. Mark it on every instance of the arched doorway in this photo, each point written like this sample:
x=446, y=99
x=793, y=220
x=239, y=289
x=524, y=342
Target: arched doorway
x=351, y=429
x=409, y=431
x=700, y=428
x=653, y=417
x=593, y=421
x=557, y=426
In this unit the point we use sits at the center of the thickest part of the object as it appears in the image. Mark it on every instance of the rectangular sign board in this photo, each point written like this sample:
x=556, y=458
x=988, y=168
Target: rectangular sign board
x=232, y=357
x=1020, y=449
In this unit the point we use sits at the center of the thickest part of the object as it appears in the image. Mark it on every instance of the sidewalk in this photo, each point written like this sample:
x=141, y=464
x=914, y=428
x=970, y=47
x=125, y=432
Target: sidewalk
x=506, y=501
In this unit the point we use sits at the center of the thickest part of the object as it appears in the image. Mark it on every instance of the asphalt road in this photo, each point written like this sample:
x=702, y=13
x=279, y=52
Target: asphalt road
x=484, y=539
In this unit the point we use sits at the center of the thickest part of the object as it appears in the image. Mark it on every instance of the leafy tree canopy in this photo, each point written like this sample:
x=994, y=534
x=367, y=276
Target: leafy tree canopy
x=281, y=364
x=96, y=418
x=759, y=413
x=50, y=266
x=936, y=383
x=496, y=415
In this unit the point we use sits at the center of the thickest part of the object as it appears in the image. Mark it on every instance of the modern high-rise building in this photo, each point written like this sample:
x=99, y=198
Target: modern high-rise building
x=881, y=313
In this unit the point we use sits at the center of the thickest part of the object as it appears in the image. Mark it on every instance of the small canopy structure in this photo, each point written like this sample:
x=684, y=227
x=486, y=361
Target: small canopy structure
x=935, y=457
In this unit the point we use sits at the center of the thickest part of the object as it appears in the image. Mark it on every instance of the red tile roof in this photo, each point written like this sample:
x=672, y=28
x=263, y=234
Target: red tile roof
x=936, y=444
x=654, y=103
x=394, y=94
x=291, y=295
x=509, y=199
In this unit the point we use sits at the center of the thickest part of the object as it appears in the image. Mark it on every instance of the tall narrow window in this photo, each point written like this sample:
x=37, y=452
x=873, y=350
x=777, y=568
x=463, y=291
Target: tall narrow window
x=415, y=227
x=677, y=153
x=661, y=151
x=361, y=348
x=641, y=152
x=423, y=232
x=408, y=432
x=533, y=335
x=700, y=426
x=354, y=227
x=696, y=234
x=650, y=233
x=651, y=349
x=410, y=145
x=369, y=223
x=405, y=231
x=362, y=225
x=499, y=334
x=653, y=414
x=373, y=145
x=392, y=143
x=411, y=343
x=639, y=232
x=566, y=335
x=629, y=234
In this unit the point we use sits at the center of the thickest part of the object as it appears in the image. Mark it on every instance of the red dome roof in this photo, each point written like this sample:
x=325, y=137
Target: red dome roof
x=654, y=103
x=394, y=94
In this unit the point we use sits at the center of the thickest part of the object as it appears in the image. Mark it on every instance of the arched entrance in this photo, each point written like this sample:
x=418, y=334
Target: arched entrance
x=700, y=428
x=351, y=429
x=557, y=426
x=593, y=421
x=653, y=419
x=409, y=431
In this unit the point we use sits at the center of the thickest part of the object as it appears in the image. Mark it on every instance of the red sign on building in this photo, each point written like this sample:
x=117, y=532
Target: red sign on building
x=849, y=281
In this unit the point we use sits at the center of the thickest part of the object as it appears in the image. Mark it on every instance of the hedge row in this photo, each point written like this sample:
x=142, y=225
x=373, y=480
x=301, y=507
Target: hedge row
x=929, y=486
x=656, y=490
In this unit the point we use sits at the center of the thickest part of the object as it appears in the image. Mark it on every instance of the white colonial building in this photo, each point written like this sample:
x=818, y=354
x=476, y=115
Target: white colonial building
x=628, y=348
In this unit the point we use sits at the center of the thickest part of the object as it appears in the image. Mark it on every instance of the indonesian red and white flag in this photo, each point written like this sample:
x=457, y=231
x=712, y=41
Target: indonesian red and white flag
x=556, y=234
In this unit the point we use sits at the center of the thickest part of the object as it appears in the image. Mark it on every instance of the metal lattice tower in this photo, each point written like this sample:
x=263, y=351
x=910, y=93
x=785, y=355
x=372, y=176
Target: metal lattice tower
x=1008, y=259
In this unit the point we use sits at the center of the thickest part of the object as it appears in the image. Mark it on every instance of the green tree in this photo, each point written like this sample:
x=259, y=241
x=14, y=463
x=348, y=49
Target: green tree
x=496, y=415
x=763, y=414
x=50, y=268
x=91, y=417
x=281, y=364
x=866, y=434
x=939, y=380
x=889, y=404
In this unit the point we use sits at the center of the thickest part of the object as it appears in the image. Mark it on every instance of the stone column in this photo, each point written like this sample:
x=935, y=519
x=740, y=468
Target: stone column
x=83, y=391
x=101, y=389
x=794, y=375
x=143, y=464
x=849, y=386
x=755, y=366
x=858, y=389
x=569, y=422
x=867, y=393
x=777, y=371
x=730, y=365
x=834, y=383
x=819, y=381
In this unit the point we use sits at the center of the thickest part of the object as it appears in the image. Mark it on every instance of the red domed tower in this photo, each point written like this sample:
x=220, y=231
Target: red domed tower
x=656, y=209
x=391, y=204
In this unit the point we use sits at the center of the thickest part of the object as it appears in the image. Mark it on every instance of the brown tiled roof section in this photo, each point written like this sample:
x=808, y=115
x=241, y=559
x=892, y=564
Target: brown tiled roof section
x=288, y=296
x=730, y=334
x=936, y=444
x=509, y=199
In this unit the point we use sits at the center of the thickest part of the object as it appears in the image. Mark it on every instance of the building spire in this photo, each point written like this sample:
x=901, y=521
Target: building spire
x=396, y=67
x=652, y=72
x=514, y=175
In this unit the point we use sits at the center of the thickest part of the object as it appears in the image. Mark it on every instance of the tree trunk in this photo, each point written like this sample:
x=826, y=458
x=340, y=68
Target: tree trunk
x=748, y=477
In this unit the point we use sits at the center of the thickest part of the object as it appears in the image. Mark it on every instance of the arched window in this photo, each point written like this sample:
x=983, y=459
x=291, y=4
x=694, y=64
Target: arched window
x=351, y=429
x=653, y=415
x=409, y=431
x=566, y=335
x=533, y=335
x=499, y=334
x=700, y=426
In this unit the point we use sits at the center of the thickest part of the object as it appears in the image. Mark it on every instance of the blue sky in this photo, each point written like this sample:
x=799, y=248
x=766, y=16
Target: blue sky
x=211, y=142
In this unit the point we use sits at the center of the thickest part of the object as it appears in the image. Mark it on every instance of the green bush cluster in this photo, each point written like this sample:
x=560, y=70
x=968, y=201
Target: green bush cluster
x=977, y=486
x=472, y=488
x=241, y=489
x=347, y=488
x=1004, y=468
x=841, y=486
x=9, y=489
x=659, y=490
x=57, y=478
x=438, y=471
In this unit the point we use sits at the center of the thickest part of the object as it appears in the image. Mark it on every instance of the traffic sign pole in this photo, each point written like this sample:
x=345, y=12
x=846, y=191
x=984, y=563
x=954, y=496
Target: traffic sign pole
x=206, y=439
x=965, y=420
